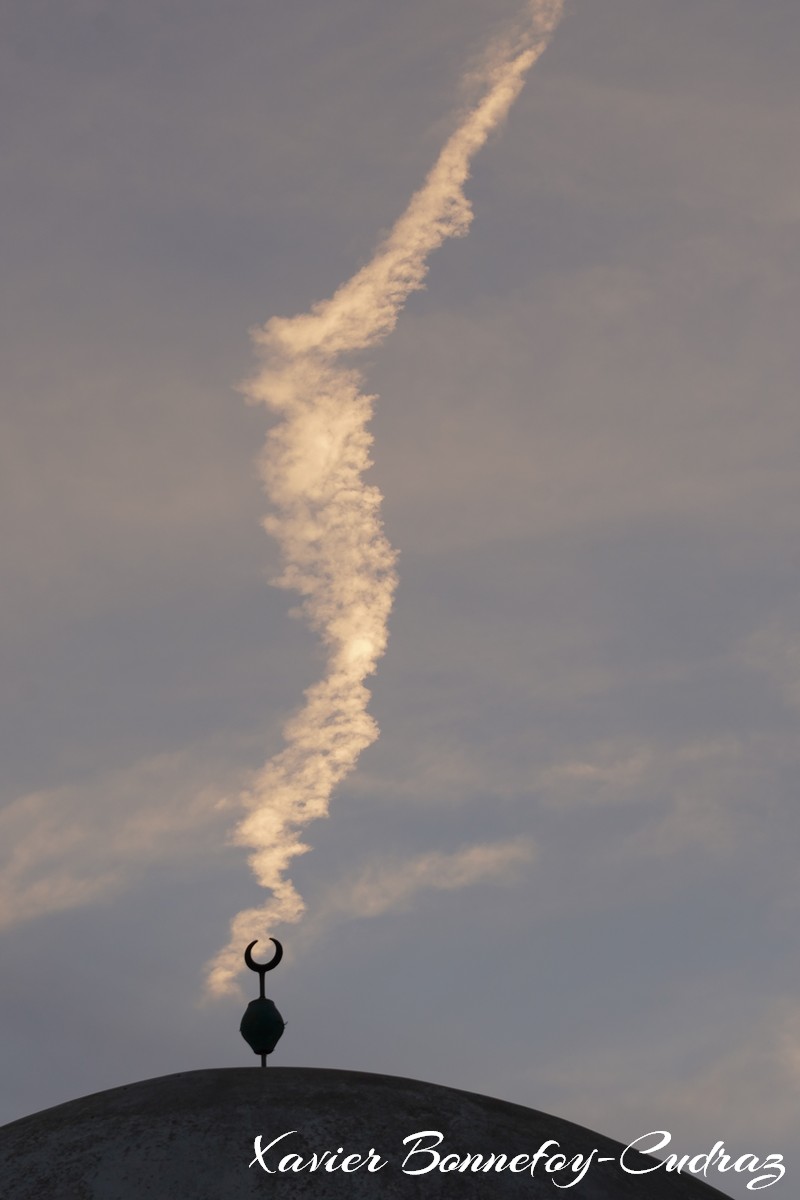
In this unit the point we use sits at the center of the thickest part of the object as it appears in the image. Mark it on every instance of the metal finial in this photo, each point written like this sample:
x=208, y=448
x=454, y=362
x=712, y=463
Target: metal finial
x=262, y=1024
x=262, y=968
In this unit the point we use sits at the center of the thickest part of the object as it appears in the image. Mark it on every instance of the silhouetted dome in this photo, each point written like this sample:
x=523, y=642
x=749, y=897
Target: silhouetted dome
x=190, y=1137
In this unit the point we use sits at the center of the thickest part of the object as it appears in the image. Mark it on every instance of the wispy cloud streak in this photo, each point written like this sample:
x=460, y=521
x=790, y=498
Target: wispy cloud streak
x=325, y=516
x=387, y=885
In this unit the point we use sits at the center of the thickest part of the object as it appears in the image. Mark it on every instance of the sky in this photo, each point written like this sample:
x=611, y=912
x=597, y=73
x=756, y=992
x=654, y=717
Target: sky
x=565, y=872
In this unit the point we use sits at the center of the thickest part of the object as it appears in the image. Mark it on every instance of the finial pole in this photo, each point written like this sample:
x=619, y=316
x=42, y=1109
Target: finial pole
x=262, y=1024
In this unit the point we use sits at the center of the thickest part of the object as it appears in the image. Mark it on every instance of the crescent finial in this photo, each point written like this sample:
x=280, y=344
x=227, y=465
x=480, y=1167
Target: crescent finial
x=261, y=967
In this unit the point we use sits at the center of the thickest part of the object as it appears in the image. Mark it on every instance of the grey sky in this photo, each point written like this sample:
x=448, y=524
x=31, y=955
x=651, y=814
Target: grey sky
x=577, y=834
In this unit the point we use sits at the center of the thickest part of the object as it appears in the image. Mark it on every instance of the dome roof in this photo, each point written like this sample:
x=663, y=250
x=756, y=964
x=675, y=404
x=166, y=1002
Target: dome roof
x=191, y=1137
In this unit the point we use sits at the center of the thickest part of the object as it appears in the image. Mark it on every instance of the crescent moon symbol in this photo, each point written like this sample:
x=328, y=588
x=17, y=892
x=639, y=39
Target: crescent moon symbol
x=271, y=965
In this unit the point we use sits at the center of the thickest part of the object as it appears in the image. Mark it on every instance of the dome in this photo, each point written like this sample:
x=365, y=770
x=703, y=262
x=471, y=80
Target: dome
x=193, y=1136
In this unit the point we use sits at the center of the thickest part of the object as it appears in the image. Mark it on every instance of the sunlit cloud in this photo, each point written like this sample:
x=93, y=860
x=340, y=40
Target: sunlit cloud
x=83, y=843
x=396, y=885
x=325, y=516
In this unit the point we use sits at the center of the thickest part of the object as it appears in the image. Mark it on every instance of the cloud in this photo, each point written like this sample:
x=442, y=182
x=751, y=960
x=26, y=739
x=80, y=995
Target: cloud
x=710, y=793
x=611, y=772
x=325, y=516
x=763, y=1064
x=774, y=650
x=656, y=399
x=666, y=147
x=743, y=1088
x=80, y=844
x=395, y=885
